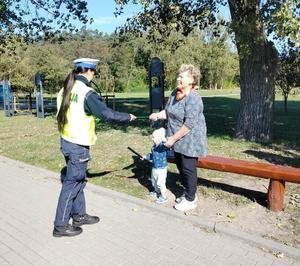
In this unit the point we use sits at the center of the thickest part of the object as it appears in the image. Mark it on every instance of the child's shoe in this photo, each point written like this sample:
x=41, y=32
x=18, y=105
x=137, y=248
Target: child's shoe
x=153, y=194
x=161, y=200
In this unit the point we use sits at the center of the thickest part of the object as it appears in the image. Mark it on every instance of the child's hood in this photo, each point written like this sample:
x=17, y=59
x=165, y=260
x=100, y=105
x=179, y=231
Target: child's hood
x=159, y=136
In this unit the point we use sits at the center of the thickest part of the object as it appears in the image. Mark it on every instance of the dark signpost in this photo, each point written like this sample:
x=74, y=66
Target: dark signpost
x=156, y=84
x=39, y=95
x=7, y=98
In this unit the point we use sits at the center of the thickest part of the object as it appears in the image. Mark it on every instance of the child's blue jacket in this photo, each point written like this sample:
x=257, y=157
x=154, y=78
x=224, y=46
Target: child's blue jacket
x=158, y=155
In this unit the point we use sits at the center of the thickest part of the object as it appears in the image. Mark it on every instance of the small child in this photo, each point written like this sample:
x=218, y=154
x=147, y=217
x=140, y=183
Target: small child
x=158, y=156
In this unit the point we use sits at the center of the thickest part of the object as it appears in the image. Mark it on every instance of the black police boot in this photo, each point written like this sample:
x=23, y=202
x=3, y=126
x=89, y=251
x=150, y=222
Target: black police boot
x=66, y=230
x=79, y=220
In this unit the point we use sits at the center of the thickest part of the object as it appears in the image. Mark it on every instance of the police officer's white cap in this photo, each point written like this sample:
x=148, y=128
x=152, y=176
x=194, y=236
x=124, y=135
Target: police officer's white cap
x=86, y=62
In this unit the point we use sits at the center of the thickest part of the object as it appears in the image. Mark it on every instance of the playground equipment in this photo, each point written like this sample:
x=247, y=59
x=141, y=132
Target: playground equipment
x=39, y=95
x=156, y=84
x=22, y=104
x=7, y=98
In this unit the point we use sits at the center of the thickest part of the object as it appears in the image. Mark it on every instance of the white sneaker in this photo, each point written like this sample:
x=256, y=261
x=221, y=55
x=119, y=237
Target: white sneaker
x=178, y=200
x=154, y=194
x=186, y=205
x=161, y=200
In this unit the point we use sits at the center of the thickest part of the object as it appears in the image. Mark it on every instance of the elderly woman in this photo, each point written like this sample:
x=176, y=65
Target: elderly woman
x=186, y=132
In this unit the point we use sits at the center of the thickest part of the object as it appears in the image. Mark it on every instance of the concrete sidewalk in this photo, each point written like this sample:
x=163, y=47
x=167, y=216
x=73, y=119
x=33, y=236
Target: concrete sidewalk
x=131, y=231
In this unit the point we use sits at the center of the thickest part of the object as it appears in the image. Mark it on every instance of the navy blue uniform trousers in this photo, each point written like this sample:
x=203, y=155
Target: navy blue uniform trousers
x=71, y=199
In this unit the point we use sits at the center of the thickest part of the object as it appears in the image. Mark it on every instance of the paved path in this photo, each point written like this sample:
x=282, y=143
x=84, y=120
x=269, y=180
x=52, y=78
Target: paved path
x=131, y=231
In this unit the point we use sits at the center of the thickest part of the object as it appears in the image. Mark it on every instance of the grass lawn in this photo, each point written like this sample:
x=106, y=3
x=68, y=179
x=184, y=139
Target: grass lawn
x=36, y=141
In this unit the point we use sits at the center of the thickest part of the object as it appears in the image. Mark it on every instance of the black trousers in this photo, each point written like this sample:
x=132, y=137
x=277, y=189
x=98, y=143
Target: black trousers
x=188, y=172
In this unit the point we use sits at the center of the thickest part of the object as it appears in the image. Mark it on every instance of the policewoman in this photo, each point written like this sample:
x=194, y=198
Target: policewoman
x=78, y=106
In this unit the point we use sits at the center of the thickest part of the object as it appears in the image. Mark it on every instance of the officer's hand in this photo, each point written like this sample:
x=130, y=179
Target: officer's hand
x=132, y=117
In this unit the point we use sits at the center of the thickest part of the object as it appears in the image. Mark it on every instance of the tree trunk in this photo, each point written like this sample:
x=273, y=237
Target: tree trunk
x=285, y=102
x=257, y=74
x=258, y=60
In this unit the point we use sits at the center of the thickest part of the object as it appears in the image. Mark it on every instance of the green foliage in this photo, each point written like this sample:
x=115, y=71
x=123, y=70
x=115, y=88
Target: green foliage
x=137, y=81
x=35, y=20
x=218, y=65
x=288, y=73
x=249, y=18
x=285, y=21
x=160, y=18
x=123, y=67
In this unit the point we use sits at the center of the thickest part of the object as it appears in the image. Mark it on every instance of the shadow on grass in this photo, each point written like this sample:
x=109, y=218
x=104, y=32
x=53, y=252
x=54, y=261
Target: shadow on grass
x=142, y=172
x=275, y=158
x=253, y=195
x=221, y=115
x=63, y=173
x=98, y=174
x=174, y=185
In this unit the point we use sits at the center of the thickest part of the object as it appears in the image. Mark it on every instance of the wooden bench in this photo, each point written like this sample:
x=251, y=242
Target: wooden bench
x=277, y=174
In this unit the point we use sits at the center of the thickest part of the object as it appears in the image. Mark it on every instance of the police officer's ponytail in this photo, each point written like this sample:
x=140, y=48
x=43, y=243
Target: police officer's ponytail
x=66, y=97
x=65, y=104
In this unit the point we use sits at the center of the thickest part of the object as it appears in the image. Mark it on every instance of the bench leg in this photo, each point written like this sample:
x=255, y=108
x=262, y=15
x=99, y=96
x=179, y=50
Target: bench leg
x=276, y=195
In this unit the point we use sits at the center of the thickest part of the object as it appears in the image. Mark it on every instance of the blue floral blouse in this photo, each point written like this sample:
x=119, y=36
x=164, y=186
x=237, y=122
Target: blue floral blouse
x=188, y=112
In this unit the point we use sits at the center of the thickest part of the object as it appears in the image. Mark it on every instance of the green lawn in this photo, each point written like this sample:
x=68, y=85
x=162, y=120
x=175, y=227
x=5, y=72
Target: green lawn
x=36, y=141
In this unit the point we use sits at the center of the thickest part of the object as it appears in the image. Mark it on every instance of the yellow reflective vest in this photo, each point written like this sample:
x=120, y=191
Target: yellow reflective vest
x=80, y=128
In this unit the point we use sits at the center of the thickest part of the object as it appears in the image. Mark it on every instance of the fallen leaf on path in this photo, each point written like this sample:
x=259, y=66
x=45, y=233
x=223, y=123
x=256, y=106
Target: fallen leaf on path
x=279, y=255
x=279, y=225
x=231, y=215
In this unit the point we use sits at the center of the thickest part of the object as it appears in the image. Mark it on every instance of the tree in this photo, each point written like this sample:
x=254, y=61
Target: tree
x=220, y=65
x=251, y=22
x=288, y=74
x=36, y=19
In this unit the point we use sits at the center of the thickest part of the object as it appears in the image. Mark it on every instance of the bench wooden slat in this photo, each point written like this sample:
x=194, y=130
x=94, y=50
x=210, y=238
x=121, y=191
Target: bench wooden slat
x=264, y=170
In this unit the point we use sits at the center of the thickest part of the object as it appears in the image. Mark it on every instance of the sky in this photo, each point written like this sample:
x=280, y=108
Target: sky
x=102, y=11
